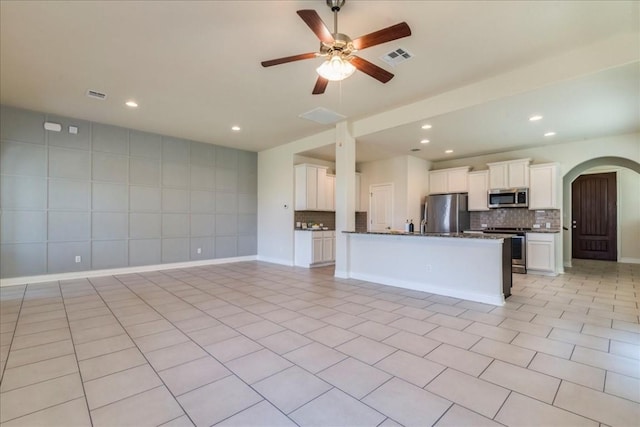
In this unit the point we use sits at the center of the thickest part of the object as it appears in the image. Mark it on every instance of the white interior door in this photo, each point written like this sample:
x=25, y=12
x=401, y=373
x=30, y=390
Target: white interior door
x=381, y=207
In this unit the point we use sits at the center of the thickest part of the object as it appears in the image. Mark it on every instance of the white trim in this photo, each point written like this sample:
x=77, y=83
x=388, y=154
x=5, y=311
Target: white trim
x=434, y=289
x=341, y=274
x=280, y=261
x=542, y=273
x=13, y=281
x=628, y=260
x=567, y=264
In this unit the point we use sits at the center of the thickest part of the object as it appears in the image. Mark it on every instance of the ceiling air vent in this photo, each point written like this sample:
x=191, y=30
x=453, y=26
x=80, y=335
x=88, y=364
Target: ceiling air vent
x=96, y=95
x=397, y=56
x=323, y=116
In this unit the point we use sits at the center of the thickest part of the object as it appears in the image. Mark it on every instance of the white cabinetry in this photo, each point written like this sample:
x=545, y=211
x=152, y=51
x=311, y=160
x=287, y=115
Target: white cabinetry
x=452, y=180
x=541, y=253
x=310, y=188
x=543, y=186
x=478, y=185
x=509, y=174
x=314, y=248
x=330, y=188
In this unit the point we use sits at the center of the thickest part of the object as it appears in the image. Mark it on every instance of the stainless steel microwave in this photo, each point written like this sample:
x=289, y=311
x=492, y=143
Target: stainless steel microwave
x=509, y=198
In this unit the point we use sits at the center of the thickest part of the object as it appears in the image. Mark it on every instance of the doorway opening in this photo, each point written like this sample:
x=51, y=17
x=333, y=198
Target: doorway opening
x=380, y=207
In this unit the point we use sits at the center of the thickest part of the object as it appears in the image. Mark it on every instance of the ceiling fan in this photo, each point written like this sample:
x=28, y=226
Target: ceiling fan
x=340, y=50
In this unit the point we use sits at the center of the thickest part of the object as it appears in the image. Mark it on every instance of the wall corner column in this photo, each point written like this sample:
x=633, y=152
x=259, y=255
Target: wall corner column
x=345, y=195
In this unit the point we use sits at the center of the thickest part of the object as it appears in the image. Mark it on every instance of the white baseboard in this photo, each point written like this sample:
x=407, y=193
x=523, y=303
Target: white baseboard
x=280, y=261
x=542, y=273
x=627, y=260
x=13, y=281
x=341, y=274
x=567, y=264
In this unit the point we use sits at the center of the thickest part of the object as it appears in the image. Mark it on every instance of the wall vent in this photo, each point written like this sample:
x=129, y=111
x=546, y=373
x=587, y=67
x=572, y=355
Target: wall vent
x=96, y=95
x=397, y=56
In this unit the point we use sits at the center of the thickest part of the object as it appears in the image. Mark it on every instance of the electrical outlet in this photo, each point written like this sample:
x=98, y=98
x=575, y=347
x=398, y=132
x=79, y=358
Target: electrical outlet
x=199, y=250
x=548, y=225
x=483, y=225
x=536, y=225
x=78, y=259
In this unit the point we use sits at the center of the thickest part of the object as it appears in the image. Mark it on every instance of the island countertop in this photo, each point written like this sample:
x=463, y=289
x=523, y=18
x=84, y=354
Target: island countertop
x=472, y=235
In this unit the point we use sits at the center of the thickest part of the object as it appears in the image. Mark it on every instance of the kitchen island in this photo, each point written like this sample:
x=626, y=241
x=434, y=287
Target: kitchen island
x=474, y=267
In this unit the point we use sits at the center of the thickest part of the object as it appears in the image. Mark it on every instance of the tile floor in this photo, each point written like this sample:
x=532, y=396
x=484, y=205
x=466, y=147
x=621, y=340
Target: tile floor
x=260, y=344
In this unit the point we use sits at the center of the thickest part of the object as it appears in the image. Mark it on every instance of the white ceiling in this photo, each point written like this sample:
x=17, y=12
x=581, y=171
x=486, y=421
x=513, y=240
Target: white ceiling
x=194, y=68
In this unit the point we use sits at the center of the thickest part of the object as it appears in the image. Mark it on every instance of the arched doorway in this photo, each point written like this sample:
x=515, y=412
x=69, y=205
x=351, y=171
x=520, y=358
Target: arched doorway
x=570, y=177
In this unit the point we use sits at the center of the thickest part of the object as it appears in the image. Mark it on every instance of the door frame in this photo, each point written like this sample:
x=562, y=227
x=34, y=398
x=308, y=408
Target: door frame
x=371, y=187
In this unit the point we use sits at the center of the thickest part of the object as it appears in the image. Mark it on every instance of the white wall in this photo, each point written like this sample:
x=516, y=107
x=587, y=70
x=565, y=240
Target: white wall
x=417, y=187
x=628, y=216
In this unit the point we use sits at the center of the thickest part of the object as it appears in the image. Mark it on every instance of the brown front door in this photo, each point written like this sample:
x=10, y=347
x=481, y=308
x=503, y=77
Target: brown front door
x=593, y=213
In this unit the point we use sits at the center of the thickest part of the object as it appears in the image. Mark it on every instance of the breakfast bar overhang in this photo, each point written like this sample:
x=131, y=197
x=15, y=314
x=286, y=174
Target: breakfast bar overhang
x=466, y=266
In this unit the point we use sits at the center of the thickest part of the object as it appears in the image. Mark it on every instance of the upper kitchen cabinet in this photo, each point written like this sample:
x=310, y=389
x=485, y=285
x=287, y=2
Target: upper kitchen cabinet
x=509, y=174
x=478, y=183
x=452, y=180
x=310, y=188
x=543, y=186
x=330, y=188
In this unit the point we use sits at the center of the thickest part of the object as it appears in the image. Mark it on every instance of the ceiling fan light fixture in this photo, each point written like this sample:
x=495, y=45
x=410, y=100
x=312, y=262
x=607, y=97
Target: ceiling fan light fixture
x=335, y=69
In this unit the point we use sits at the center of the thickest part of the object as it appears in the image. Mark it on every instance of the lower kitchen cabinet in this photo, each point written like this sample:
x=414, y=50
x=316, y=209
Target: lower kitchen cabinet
x=541, y=253
x=314, y=248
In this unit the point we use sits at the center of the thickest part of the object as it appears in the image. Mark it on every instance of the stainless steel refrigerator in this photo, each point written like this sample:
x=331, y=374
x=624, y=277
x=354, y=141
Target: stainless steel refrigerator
x=447, y=213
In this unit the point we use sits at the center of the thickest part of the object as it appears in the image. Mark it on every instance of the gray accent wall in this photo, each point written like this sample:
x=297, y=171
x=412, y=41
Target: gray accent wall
x=117, y=197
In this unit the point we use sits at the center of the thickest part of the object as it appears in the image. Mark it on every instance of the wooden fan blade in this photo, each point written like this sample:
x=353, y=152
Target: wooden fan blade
x=373, y=70
x=393, y=32
x=288, y=59
x=312, y=19
x=321, y=85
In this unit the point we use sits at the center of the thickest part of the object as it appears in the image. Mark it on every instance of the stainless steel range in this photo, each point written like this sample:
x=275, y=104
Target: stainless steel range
x=518, y=246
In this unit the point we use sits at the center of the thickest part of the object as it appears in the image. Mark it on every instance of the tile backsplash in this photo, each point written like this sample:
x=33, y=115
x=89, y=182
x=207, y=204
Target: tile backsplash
x=516, y=217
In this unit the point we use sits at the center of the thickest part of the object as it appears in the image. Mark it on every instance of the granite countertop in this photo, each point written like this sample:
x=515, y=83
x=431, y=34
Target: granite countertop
x=314, y=229
x=533, y=230
x=479, y=236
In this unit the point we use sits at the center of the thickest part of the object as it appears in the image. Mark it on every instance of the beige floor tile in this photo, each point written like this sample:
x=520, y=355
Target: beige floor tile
x=602, y=407
x=39, y=338
x=527, y=327
x=366, y=350
x=184, y=314
x=413, y=312
x=239, y=319
x=196, y=323
x=182, y=421
x=260, y=329
x=611, y=362
x=458, y=416
x=493, y=332
x=568, y=370
x=103, y=346
x=160, y=340
x=257, y=366
x=41, y=317
x=46, y=325
x=93, y=322
x=586, y=319
x=331, y=336
x=315, y=357
x=462, y=360
x=614, y=334
x=149, y=315
x=284, y=342
x=111, y=388
x=544, y=345
x=472, y=393
x=374, y=330
x=411, y=368
x=571, y=325
x=582, y=340
x=260, y=414
x=188, y=376
x=520, y=410
x=453, y=337
x=205, y=407
x=169, y=357
x=148, y=328
x=407, y=404
x=412, y=343
x=354, y=377
x=232, y=348
x=380, y=316
x=281, y=315
x=343, y=320
x=39, y=353
x=413, y=325
x=335, y=408
x=449, y=321
x=505, y=352
x=37, y=372
x=627, y=326
x=291, y=388
x=303, y=324
x=84, y=336
x=33, y=398
x=623, y=386
x=625, y=349
x=213, y=334
x=522, y=380
x=72, y=413
x=107, y=364
x=151, y=408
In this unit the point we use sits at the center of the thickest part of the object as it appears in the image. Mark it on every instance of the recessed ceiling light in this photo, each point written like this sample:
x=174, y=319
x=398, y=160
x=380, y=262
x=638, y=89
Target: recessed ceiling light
x=448, y=151
x=549, y=134
x=132, y=104
x=424, y=141
x=426, y=126
x=235, y=128
x=535, y=118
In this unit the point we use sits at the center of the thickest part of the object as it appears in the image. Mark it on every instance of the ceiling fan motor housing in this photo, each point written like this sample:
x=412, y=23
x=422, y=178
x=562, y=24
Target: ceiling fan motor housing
x=342, y=45
x=335, y=5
